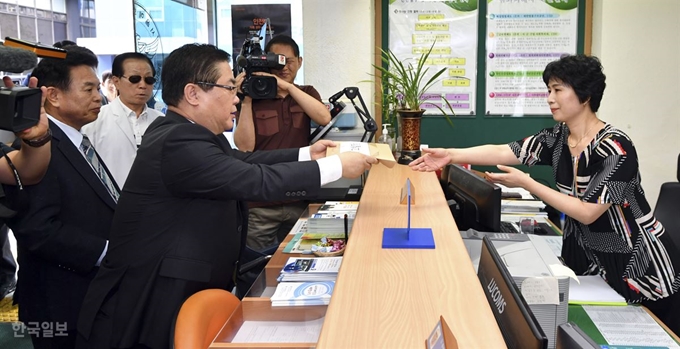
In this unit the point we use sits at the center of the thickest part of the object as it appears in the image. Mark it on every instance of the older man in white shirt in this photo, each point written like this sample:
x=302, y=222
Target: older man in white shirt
x=118, y=130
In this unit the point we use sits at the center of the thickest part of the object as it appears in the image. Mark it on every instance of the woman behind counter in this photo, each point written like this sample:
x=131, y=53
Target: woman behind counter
x=610, y=229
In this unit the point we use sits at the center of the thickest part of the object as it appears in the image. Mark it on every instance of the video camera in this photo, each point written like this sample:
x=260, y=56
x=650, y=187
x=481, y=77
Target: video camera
x=254, y=59
x=20, y=106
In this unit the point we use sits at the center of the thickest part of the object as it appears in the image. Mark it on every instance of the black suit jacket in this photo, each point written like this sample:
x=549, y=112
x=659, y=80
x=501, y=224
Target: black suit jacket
x=61, y=234
x=179, y=228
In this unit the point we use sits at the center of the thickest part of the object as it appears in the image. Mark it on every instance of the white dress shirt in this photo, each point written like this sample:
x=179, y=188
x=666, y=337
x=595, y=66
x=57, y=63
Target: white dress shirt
x=116, y=137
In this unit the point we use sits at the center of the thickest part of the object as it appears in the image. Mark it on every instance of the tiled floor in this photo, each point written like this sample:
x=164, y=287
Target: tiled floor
x=8, y=312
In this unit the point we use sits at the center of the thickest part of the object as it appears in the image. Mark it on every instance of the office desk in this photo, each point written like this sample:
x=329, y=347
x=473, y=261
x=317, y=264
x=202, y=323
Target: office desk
x=387, y=298
x=391, y=298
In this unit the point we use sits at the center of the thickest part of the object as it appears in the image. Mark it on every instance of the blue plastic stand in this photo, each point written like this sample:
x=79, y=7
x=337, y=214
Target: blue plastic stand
x=408, y=237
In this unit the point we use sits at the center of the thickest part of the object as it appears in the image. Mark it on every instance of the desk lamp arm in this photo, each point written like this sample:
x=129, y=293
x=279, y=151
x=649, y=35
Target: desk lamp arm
x=370, y=126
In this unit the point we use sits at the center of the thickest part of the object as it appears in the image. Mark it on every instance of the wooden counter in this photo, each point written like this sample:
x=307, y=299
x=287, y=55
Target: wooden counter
x=392, y=298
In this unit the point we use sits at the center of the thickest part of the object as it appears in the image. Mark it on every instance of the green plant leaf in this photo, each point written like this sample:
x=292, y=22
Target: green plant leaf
x=408, y=79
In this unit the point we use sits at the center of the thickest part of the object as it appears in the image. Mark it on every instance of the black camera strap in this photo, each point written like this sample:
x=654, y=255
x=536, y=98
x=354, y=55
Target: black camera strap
x=14, y=169
x=6, y=212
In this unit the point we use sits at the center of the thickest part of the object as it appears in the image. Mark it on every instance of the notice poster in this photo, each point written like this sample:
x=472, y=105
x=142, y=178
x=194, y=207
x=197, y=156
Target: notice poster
x=522, y=37
x=247, y=22
x=452, y=25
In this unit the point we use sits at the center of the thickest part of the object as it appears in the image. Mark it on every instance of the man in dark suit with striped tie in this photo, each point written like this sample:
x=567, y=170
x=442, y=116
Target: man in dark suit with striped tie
x=63, y=225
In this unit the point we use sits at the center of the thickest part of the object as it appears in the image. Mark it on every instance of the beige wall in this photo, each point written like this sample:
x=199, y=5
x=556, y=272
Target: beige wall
x=637, y=41
x=339, y=50
x=638, y=44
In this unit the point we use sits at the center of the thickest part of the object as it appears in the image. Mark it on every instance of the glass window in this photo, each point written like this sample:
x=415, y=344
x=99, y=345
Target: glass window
x=157, y=13
x=45, y=32
x=87, y=8
x=59, y=6
x=162, y=26
x=43, y=4
x=8, y=25
x=28, y=3
x=87, y=31
x=59, y=31
x=27, y=29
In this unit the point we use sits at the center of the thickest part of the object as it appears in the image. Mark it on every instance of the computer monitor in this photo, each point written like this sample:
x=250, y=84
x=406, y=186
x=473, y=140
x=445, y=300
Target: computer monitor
x=517, y=323
x=477, y=201
x=570, y=336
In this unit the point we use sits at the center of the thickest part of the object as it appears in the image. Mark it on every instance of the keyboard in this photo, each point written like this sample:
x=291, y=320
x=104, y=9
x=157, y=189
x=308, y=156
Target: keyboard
x=509, y=228
x=472, y=234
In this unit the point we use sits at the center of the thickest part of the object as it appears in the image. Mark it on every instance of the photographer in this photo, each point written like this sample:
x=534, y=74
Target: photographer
x=32, y=160
x=283, y=122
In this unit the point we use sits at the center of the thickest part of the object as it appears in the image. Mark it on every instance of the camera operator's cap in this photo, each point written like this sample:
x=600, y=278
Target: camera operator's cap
x=40, y=50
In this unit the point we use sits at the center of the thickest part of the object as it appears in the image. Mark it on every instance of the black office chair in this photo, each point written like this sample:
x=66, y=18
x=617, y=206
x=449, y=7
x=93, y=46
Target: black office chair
x=668, y=206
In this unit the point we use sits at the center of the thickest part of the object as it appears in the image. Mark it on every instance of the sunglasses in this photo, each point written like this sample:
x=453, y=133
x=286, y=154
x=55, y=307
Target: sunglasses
x=134, y=79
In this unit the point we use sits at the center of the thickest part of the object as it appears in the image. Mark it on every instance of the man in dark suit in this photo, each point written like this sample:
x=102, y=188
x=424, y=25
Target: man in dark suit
x=64, y=221
x=181, y=221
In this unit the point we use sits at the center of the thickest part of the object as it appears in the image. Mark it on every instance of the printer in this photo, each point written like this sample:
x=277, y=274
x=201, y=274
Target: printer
x=528, y=256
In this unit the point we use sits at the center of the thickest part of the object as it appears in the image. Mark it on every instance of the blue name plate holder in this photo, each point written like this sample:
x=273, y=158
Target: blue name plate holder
x=407, y=238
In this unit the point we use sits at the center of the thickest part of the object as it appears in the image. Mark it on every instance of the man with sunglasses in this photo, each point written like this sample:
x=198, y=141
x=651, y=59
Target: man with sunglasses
x=118, y=130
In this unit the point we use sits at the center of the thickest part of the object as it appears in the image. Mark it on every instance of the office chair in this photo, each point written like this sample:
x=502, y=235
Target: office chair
x=668, y=206
x=201, y=317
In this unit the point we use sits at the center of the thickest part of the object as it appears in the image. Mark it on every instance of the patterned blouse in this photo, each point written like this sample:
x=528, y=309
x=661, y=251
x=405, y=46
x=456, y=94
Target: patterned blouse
x=627, y=246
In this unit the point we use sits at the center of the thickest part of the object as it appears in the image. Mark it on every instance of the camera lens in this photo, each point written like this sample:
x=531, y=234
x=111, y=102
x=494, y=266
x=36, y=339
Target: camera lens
x=260, y=85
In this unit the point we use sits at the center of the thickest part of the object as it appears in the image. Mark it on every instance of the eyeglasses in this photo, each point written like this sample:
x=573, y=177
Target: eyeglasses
x=134, y=79
x=228, y=87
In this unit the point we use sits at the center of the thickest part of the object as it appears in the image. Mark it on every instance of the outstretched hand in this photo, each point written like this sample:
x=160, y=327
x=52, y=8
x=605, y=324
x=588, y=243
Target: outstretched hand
x=40, y=129
x=510, y=177
x=431, y=159
x=318, y=149
x=354, y=164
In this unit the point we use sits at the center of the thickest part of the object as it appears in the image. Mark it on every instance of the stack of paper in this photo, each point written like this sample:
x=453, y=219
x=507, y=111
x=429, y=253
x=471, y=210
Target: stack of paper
x=520, y=193
x=311, y=269
x=339, y=206
x=592, y=289
x=330, y=218
x=522, y=206
x=303, y=293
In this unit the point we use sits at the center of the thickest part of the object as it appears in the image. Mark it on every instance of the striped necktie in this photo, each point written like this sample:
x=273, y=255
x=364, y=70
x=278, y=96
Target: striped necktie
x=91, y=156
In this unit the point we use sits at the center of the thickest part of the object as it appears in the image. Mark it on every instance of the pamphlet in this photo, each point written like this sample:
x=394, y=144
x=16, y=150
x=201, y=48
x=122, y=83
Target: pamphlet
x=311, y=269
x=303, y=293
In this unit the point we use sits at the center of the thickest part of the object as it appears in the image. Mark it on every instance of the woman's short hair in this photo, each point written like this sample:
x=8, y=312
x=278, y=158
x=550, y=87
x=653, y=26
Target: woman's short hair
x=582, y=73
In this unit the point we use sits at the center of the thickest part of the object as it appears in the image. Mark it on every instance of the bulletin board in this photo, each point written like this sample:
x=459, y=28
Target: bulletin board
x=494, y=51
x=476, y=126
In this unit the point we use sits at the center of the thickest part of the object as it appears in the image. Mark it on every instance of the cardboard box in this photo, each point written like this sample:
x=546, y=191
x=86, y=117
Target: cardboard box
x=380, y=150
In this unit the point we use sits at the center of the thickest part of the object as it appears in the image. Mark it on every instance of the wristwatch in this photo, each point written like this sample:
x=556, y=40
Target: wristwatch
x=39, y=142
